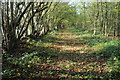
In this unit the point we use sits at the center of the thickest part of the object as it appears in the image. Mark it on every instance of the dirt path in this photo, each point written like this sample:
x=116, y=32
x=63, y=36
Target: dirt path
x=77, y=58
x=63, y=55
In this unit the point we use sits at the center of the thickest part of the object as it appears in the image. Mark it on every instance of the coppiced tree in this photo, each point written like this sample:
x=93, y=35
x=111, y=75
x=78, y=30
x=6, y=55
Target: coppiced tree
x=33, y=19
x=16, y=19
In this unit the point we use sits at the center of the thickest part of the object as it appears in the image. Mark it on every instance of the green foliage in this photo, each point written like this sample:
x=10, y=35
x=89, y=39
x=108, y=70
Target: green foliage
x=77, y=30
x=44, y=56
x=68, y=54
x=63, y=76
x=116, y=66
x=43, y=44
x=7, y=72
x=94, y=40
x=111, y=50
x=108, y=49
x=53, y=32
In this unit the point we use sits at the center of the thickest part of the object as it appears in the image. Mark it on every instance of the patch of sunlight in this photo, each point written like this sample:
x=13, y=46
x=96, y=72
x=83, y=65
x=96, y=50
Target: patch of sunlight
x=60, y=41
x=69, y=48
x=82, y=51
x=43, y=44
x=65, y=33
x=98, y=47
x=69, y=37
x=64, y=64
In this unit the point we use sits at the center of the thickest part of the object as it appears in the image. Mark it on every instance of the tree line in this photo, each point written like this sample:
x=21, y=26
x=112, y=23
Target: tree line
x=33, y=19
x=36, y=19
x=100, y=17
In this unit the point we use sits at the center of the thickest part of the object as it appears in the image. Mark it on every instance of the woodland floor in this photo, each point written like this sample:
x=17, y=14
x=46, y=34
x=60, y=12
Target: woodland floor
x=67, y=55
